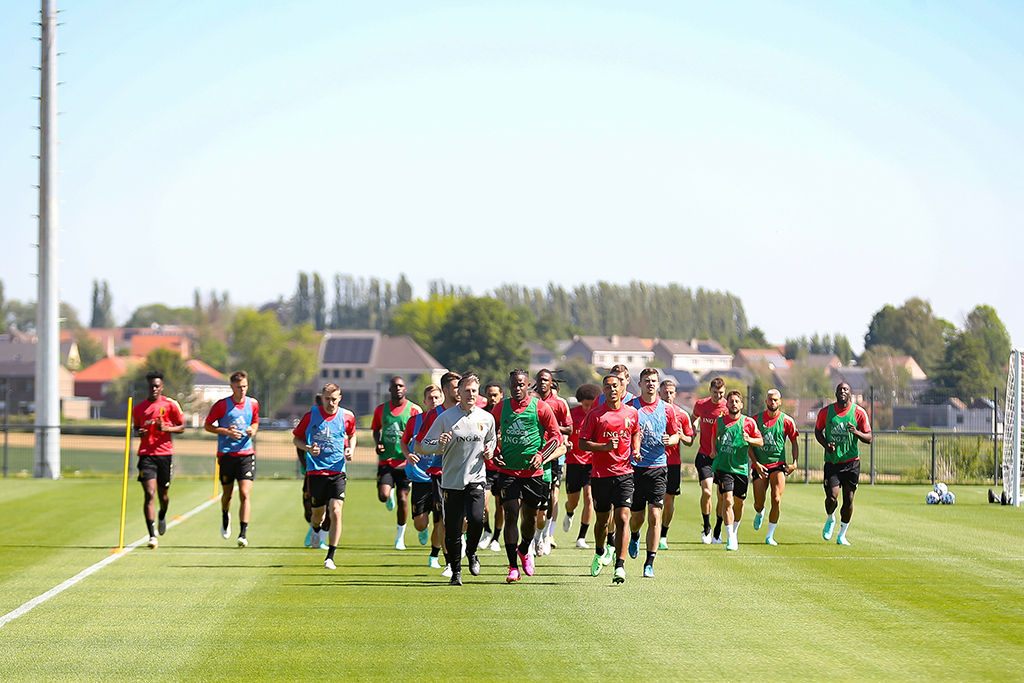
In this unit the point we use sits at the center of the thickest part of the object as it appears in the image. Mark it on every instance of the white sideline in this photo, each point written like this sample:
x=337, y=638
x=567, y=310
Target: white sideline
x=57, y=590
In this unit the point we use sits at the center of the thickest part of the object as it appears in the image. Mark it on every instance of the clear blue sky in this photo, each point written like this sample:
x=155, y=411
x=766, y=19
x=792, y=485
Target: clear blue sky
x=817, y=160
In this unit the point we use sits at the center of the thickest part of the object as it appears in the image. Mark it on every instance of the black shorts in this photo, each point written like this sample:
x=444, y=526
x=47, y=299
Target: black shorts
x=675, y=478
x=556, y=476
x=394, y=477
x=422, y=498
x=534, y=492
x=236, y=468
x=737, y=483
x=845, y=474
x=779, y=466
x=325, y=487
x=577, y=476
x=435, y=486
x=492, y=481
x=159, y=467
x=705, y=466
x=612, y=492
x=649, y=487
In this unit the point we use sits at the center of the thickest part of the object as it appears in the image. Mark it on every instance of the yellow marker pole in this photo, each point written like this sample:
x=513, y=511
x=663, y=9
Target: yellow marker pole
x=216, y=476
x=124, y=482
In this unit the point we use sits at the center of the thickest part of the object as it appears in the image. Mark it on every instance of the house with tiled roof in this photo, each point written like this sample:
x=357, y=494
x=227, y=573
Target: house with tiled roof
x=18, y=376
x=604, y=352
x=698, y=356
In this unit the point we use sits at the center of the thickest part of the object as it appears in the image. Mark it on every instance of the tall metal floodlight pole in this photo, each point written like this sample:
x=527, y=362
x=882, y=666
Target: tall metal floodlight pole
x=47, y=389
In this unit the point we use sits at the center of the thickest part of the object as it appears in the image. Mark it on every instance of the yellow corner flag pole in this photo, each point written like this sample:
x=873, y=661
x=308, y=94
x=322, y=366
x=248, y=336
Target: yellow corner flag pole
x=216, y=476
x=124, y=482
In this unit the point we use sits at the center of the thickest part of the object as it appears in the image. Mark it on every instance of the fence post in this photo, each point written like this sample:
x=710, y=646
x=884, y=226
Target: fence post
x=933, y=458
x=871, y=419
x=807, y=458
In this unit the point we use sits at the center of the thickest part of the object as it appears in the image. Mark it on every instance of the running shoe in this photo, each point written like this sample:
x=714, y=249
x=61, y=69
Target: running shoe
x=567, y=523
x=474, y=565
x=243, y=542
x=456, y=579
x=161, y=525
x=551, y=544
x=582, y=543
x=634, y=547
x=733, y=544
x=620, y=575
x=391, y=501
x=716, y=539
x=768, y=540
x=841, y=540
x=323, y=541
x=309, y=537
x=400, y=543
x=329, y=564
x=485, y=541
x=153, y=543
x=447, y=573
x=513, y=575
x=434, y=563
x=495, y=546
x=314, y=539
x=648, y=571
x=662, y=543
x=705, y=538
x=608, y=556
x=545, y=545
x=424, y=536
x=826, y=533
x=527, y=561
x=225, y=529
x=758, y=518
x=596, y=564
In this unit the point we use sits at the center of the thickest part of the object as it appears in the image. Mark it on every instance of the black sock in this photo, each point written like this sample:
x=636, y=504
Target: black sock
x=584, y=528
x=599, y=550
x=707, y=523
x=664, y=532
x=634, y=536
x=224, y=517
x=510, y=551
x=330, y=551
x=150, y=525
x=611, y=540
x=241, y=529
x=620, y=564
x=161, y=514
x=434, y=551
x=487, y=525
x=718, y=527
x=570, y=513
x=524, y=546
x=650, y=559
x=497, y=532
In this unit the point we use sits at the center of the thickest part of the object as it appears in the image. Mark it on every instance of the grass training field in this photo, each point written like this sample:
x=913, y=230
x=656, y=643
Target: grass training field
x=925, y=593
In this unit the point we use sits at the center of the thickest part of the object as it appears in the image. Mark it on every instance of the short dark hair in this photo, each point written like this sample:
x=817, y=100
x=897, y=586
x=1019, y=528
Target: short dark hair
x=587, y=392
x=620, y=369
x=392, y=380
x=732, y=393
x=612, y=375
x=494, y=384
x=666, y=382
x=449, y=377
x=239, y=376
x=646, y=372
x=519, y=372
x=319, y=400
x=717, y=383
x=154, y=374
x=330, y=388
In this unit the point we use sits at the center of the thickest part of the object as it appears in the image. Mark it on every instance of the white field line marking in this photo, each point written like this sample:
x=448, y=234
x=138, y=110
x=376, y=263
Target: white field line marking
x=57, y=590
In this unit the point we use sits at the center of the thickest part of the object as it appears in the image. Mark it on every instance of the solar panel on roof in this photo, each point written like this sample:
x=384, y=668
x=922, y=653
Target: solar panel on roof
x=348, y=350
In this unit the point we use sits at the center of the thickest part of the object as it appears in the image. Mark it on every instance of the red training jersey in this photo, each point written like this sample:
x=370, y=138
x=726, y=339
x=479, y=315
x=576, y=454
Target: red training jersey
x=601, y=424
x=749, y=427
x=861, y=416
x=560, y=407
x=576, y=455
x=705, y=412
x=350, y=431
x=378, y=414
x=147, y=415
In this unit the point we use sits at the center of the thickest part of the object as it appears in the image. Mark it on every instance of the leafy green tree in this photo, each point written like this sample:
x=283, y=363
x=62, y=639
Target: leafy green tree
x=211, y=350
x=913, y=329
x=178, y=381
x=272, y=355
x=422, y=319
x=301, y=305
x=890, y=379
x=161, y=314
x=966, y=368
x=983, y=324
x=573, y=372
x=319, y=303
x=480, y=335
x=102, y=306
x=89, y=350
x=403, y=290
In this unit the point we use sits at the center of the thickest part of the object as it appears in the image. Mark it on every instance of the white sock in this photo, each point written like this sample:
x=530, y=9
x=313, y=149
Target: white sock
x=735, y=526
x=759, y=512
x=771, y=528
x=538, y=535
x=549, y=530
x=832, y=517
x=843, y=526
x=730, y=531
x=401, y=532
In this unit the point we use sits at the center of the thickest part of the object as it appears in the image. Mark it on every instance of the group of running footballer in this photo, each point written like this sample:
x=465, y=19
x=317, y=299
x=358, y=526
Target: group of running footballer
x=470, y=451
x=472, y=455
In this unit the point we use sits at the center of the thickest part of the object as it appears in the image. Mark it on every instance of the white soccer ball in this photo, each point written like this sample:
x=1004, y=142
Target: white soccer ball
x=932, y=498
x=941, y=489
x=948, y=498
